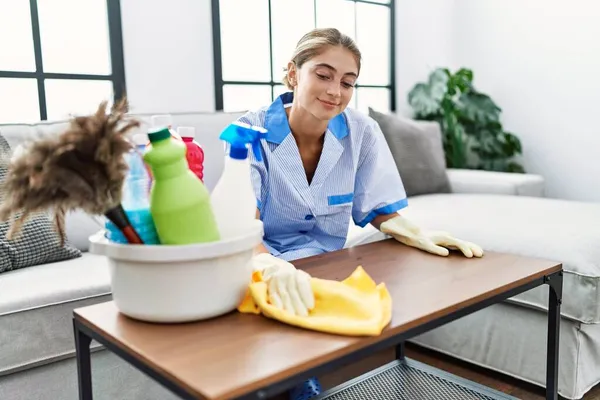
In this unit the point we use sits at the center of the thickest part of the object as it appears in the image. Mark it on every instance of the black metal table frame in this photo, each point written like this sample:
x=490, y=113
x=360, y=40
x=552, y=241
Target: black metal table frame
x=84, y=336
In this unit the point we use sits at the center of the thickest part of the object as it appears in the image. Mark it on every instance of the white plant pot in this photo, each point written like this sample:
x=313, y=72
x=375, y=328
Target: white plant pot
x=173, y=283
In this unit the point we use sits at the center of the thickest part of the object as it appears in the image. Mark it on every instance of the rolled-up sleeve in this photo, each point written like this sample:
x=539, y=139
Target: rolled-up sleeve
x=378, y=188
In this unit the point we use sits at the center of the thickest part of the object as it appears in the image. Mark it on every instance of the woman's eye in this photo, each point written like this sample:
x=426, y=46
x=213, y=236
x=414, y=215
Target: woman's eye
x=347, y=85
x=320, y=76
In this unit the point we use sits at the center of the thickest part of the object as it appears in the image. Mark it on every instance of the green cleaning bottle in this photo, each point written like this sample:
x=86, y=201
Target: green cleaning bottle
x=179, y=201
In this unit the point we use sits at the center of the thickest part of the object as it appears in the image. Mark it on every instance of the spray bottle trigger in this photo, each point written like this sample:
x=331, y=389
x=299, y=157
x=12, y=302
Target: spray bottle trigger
x=240, y=134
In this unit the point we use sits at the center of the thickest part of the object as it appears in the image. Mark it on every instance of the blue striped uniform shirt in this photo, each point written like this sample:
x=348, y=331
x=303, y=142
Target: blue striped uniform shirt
x=356, y=177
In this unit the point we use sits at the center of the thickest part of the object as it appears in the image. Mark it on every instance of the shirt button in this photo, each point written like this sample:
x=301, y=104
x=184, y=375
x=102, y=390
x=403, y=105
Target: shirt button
x=308, y=217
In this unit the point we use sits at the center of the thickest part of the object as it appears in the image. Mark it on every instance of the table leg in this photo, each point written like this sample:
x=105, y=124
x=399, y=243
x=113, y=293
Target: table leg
x=555, y=284
x=84, y=367
x=400, y=351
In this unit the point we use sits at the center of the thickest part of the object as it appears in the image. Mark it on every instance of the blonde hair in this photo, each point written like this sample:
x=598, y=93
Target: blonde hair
x=314, y=42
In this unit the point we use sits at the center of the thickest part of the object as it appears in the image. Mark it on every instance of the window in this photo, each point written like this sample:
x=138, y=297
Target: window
x=253, y=40
x=59, y=58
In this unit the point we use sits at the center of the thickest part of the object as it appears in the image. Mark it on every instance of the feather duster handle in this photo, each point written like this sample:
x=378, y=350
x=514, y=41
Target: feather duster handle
x=82, y=168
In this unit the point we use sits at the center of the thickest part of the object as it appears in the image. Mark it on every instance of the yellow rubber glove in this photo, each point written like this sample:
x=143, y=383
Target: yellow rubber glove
x=288, y=288
x=435, y=242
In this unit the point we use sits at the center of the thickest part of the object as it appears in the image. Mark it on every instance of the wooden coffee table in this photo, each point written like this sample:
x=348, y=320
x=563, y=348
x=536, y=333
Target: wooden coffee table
x=252, y=357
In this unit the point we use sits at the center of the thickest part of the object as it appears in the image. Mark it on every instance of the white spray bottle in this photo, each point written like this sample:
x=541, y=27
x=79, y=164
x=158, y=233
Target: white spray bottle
x=233, y=200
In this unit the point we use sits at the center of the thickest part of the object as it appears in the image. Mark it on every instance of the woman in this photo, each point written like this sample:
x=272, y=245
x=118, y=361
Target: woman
x=323, y=164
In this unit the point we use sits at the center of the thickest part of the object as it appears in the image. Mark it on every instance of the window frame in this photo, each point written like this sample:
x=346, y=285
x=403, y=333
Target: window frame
x=218, y=64
x=117, y=77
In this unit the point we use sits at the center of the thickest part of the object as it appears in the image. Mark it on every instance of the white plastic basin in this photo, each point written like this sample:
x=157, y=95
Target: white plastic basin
x=169, y=284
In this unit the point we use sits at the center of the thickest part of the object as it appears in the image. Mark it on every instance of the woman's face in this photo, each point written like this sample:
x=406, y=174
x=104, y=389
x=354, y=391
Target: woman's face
x=325, y=84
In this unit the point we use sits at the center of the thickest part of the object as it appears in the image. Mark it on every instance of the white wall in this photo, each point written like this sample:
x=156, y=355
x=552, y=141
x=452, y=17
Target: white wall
x=538, y=59
x=424, y=41
x=168, y=55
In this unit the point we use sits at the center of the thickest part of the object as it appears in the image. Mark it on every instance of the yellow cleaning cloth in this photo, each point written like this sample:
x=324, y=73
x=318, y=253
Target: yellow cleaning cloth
x=356, y=306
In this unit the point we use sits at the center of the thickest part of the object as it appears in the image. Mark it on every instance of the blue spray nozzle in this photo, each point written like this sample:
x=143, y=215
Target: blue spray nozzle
x=239, y=135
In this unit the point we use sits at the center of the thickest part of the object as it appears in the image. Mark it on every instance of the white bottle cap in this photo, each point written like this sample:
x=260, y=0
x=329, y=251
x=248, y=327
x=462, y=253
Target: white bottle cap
x=139, y=139
x=162, y=121
x=186, y=131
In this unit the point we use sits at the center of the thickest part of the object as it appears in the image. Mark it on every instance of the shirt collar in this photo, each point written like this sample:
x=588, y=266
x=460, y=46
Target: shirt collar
x=277, y=126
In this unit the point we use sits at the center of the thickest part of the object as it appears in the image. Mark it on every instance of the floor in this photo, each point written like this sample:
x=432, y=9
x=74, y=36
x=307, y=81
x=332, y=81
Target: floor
x=494, y=380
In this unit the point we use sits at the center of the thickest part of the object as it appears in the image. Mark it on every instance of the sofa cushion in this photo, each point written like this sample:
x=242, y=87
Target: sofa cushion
x=17, y=134
x=496, y=182
x=78, y=225
x=36, y=309
x=37, y=242
x=418, y=152
x=560, y=230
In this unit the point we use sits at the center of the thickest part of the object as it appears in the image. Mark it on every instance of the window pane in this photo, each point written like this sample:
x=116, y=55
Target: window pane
x=245, y=97
x=245, y=40
x=278, y=90
x=290, y=21
x=16, y=43
x=373, y=39
x=19, y=100
x=67, y=97
x=74, y=36
x=376, y=98
x=336, y=14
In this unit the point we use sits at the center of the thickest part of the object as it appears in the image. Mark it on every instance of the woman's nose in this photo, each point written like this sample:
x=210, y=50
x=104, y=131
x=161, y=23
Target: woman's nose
x=334, y=90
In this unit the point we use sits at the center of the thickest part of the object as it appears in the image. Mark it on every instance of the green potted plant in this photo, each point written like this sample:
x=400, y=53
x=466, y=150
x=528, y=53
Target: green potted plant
x=472, y=133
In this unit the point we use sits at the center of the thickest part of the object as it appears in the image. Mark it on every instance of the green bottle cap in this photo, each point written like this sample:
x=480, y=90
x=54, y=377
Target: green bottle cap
x=159, y=134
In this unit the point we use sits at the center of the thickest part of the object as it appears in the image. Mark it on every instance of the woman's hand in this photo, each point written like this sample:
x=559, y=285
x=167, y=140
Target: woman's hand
x=288, y=288
x=435, y=242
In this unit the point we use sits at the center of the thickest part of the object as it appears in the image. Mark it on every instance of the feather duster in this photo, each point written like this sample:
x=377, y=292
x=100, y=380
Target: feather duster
x=82, y=168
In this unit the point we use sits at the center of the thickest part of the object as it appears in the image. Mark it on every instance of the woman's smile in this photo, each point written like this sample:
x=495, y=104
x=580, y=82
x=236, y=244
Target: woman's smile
x=328, y=104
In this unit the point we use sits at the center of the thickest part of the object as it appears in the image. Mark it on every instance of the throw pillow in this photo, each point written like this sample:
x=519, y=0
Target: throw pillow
x=38, y=242
x=418, y=152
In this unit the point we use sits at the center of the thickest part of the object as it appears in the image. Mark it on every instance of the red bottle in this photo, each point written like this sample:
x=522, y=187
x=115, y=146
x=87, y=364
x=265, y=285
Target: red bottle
x=194, y=154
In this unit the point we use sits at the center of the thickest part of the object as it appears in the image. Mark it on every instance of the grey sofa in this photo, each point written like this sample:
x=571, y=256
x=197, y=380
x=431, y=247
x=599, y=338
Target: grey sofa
x=502, y=212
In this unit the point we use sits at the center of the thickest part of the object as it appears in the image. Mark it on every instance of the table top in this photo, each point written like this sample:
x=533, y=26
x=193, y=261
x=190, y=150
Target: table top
x=238, y=353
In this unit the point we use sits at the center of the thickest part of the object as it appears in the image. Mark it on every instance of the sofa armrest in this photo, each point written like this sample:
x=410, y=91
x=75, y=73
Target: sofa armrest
x=491, y=182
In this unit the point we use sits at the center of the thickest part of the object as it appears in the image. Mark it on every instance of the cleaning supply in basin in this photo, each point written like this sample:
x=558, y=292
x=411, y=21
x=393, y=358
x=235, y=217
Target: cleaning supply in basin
x=164, y=121
x=233, y=198
x=140, y=140
x=195, y=153
x=179, y=201
x=122, y=226
x=356, y=306
x=135, y=199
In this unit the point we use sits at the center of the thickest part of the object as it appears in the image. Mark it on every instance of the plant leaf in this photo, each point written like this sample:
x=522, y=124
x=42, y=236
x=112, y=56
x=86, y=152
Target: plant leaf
x=513, y=142
x=426, y=98
x=515, y=167
x=472, y=134
x=478, y=107
x=438, y=83
x=464, y=79
x=422, y=101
